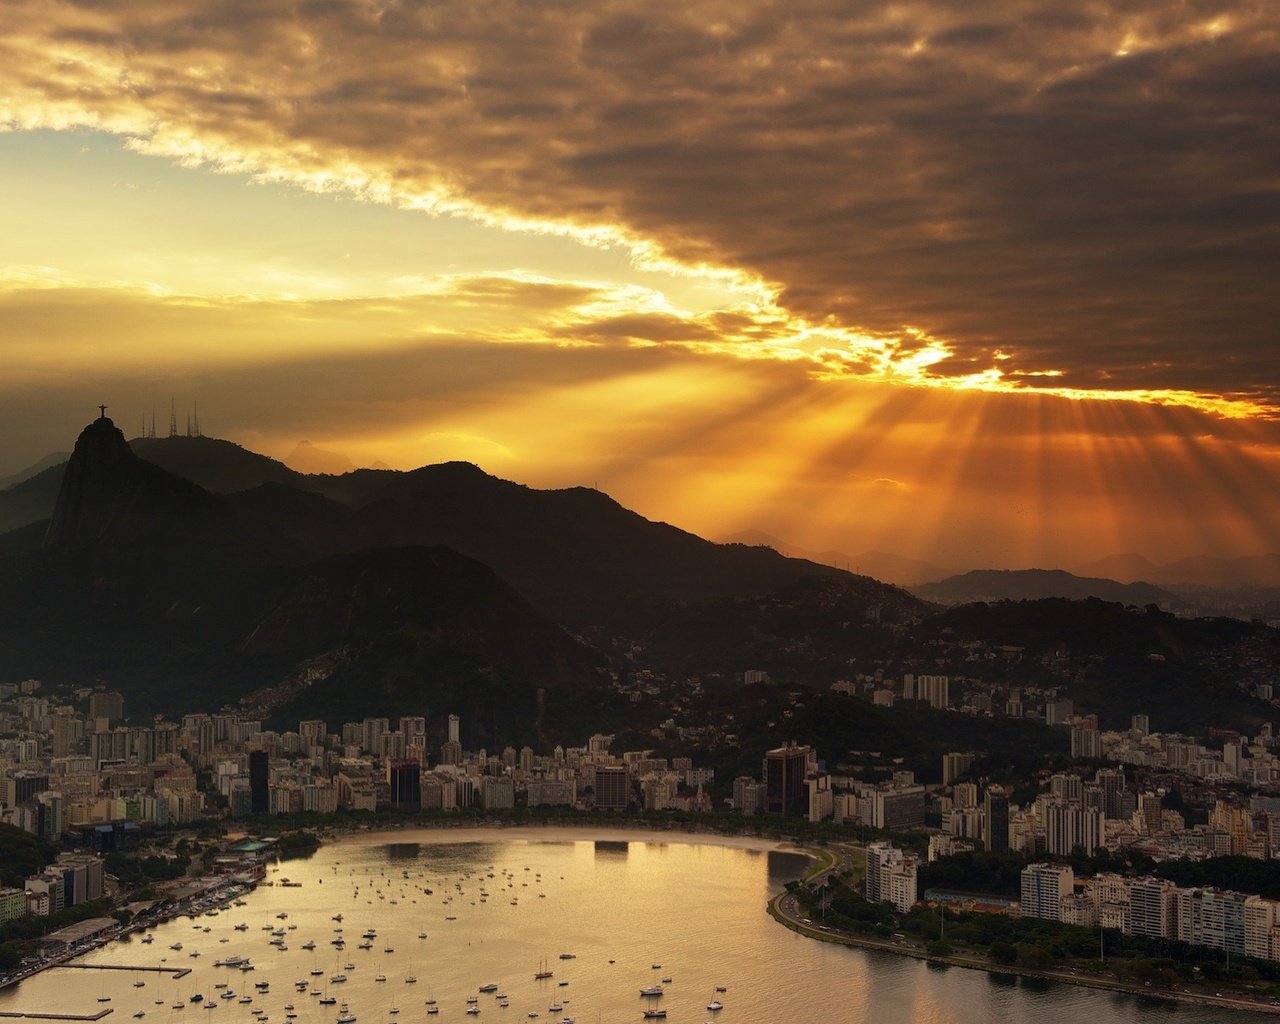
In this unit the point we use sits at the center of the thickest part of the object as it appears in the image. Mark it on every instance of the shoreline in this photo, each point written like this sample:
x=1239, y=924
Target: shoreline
x=1078, y=978
x=569, y=832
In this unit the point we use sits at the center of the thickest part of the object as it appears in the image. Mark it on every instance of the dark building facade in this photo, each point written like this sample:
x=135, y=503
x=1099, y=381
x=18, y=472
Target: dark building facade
x=783, y=773
x=259, y=787
x=405, y=781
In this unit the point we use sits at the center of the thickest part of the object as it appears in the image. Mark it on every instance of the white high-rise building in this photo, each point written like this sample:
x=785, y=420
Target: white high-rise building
x=891, y=876
x=1151, y=907
x=1043, y=887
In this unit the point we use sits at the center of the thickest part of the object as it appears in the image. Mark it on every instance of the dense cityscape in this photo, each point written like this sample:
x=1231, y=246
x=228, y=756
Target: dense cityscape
x=78, y=776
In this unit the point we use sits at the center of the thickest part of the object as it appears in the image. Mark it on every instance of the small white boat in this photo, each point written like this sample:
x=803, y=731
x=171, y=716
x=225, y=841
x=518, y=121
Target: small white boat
x=715, y=1004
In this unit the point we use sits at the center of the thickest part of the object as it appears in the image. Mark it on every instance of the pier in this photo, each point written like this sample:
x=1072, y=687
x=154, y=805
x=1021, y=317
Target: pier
x=59, y=1016
x=177, y=972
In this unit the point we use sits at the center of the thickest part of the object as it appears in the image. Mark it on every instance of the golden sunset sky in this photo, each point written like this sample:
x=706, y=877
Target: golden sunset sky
x=989, y=285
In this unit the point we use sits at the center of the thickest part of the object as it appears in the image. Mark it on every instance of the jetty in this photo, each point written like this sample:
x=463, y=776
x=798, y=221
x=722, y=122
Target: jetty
x=177, y=972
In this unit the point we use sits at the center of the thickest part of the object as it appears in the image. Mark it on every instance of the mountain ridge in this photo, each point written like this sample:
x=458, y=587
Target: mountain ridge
x=988, y=585
x=147, y=576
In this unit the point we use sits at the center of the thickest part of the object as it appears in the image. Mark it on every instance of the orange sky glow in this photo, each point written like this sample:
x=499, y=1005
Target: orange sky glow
x=979, y=287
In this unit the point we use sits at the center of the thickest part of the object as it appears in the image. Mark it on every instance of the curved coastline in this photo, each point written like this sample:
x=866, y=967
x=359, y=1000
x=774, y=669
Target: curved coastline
x=778, y=910
x=823, y=860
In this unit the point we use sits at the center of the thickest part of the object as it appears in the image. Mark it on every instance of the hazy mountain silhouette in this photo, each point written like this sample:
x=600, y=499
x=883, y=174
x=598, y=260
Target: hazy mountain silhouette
x=31, y=500
x=1125, y=568
x=1036, y=584
x=48, y=462
x=216, y=465
x=880, y=565
x=308, y=458
x=1201, y=570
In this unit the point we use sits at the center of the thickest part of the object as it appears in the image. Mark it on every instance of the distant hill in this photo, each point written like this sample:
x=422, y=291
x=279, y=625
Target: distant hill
x=880, y=565
x=1249, y=570
x=308, y=458
x=1126, y=568
x=54, y=459
x=1180, y=671
x=30, y=500
x=1200, y=571
x=216, y=465
x=1035, y=584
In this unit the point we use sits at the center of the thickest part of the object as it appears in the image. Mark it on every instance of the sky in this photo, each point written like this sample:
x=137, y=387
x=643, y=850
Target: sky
x=985, y=285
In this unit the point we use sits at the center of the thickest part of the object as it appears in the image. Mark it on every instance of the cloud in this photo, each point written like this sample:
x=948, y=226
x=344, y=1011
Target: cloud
x=1090, y=191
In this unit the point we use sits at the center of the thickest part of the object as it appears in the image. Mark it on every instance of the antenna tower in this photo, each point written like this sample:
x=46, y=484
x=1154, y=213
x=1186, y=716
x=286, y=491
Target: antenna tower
x=173, y=419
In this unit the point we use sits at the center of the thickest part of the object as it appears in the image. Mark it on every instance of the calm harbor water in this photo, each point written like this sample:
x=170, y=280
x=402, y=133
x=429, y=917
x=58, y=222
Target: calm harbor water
x=503, y=903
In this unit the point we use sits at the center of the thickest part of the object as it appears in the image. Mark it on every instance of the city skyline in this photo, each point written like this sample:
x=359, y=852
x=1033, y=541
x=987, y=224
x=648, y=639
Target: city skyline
x=979, y=288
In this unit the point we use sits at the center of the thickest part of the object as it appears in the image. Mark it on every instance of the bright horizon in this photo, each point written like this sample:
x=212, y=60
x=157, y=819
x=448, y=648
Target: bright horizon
x=980, y=288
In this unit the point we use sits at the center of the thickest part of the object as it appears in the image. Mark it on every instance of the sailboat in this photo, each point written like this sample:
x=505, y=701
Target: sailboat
x=543, y=971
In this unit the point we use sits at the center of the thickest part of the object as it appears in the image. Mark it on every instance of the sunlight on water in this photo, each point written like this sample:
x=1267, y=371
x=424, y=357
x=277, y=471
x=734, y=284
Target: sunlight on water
x=504, y=905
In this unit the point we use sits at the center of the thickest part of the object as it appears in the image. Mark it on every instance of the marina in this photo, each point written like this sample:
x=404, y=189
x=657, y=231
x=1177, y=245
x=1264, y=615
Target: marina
x=696, y=955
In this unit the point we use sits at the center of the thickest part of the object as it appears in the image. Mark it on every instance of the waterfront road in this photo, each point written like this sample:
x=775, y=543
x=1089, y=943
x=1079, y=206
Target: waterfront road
x=785, y=909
